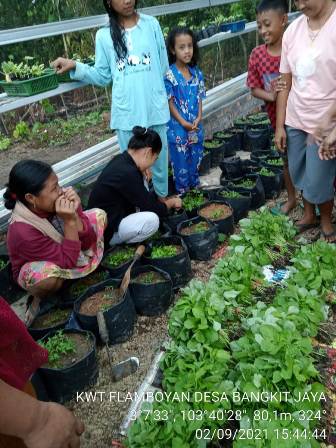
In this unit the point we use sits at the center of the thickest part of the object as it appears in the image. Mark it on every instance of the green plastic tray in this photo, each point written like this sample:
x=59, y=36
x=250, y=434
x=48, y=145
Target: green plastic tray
x=65, y=77
x=32, y=86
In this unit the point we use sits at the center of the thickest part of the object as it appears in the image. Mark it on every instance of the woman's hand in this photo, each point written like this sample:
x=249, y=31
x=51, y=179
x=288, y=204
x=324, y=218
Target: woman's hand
x=56, y=427
x=62, y=65
x=65, y=209
x=280, y=139
x=196, y=123
x=188, y=126
x=70, y=194
x=174, y=202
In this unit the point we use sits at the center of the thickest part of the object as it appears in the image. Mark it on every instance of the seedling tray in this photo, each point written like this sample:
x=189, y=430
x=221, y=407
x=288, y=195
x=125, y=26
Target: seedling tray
x=31, y=86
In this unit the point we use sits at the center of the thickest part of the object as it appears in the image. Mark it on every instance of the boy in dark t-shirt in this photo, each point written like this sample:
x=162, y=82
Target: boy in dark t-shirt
x=263, y=70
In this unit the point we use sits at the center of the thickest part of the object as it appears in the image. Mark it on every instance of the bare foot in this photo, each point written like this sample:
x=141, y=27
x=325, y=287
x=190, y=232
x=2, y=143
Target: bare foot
x=329, y=233
x=287, y=207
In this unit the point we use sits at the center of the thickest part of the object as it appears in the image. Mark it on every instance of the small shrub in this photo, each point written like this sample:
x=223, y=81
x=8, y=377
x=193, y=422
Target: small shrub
x=57, y=346
x=21, y=130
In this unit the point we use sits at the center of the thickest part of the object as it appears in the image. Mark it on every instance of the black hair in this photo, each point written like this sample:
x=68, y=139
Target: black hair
x=277, y=5
x=26, y=176
x=171, y=44
x=116, y=30
x=143, y=138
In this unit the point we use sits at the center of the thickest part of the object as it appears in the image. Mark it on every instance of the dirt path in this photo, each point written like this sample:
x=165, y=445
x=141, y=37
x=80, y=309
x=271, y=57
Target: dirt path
x=50, y=154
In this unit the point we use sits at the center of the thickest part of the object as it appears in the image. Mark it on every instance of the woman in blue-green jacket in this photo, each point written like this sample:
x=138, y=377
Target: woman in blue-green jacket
x=131, y=53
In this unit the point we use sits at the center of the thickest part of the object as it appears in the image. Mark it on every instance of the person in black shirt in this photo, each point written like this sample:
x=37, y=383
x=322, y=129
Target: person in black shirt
x=132, y=211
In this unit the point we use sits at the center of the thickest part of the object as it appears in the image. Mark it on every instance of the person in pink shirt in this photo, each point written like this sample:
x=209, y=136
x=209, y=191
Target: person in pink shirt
x=308, y=67
x=49, y=237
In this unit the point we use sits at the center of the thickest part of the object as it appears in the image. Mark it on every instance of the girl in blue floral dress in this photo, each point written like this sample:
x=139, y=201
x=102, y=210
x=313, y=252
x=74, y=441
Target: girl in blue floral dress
x=185, y=88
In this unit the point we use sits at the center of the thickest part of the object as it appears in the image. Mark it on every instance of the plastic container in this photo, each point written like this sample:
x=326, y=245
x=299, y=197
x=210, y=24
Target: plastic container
x=240, y=206
x=231, y=167
x=217, y=152
x=151, y=299
x=120, y=318
x=118, y=271
x=225, y=225
x=257, y=191
x=272, y=184
x=193, y=212
x=174, y=218
x=236, y=27
x=63, y=384
x=31, y=86
x=177, y=266
x=39, y=332
x=200, y=245
x=205, y=164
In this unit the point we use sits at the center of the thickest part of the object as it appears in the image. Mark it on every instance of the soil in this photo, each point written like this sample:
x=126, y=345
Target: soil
x=207, y=212
x=50, y=153
x=101, y=300
x=83, y=346
x=195, y=228
x=51, y=319
x=81, y=286
x=146, y=278
x=102, y=419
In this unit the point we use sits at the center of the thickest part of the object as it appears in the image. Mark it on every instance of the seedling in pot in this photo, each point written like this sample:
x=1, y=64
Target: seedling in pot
x=246, y=183
x=275, y=162
x=266, y=172
x=3, y=264
x=216, y=214
x=57, y=346
x=164, y=251
x=82, y=285
x=223, y=135
x=212, y=144
x=193, y=199
x=148, y=278
x=195, y=228
x=230, y=194
x=120, y=256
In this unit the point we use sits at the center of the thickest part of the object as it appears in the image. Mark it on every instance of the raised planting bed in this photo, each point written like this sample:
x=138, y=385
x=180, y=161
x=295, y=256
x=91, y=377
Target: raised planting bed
x=151, y=290
x=220, y=213
x=217, y=151
x=205, y=164
x=272, y=182
x=240, y=202
x=72, y=364
x=192, y=200
x=252, y=184
x=53, y=320
x=200, y=236
x=170, y=254
x=118, y=310
x=175, y=216
x=117, y=260
x=79, y=287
